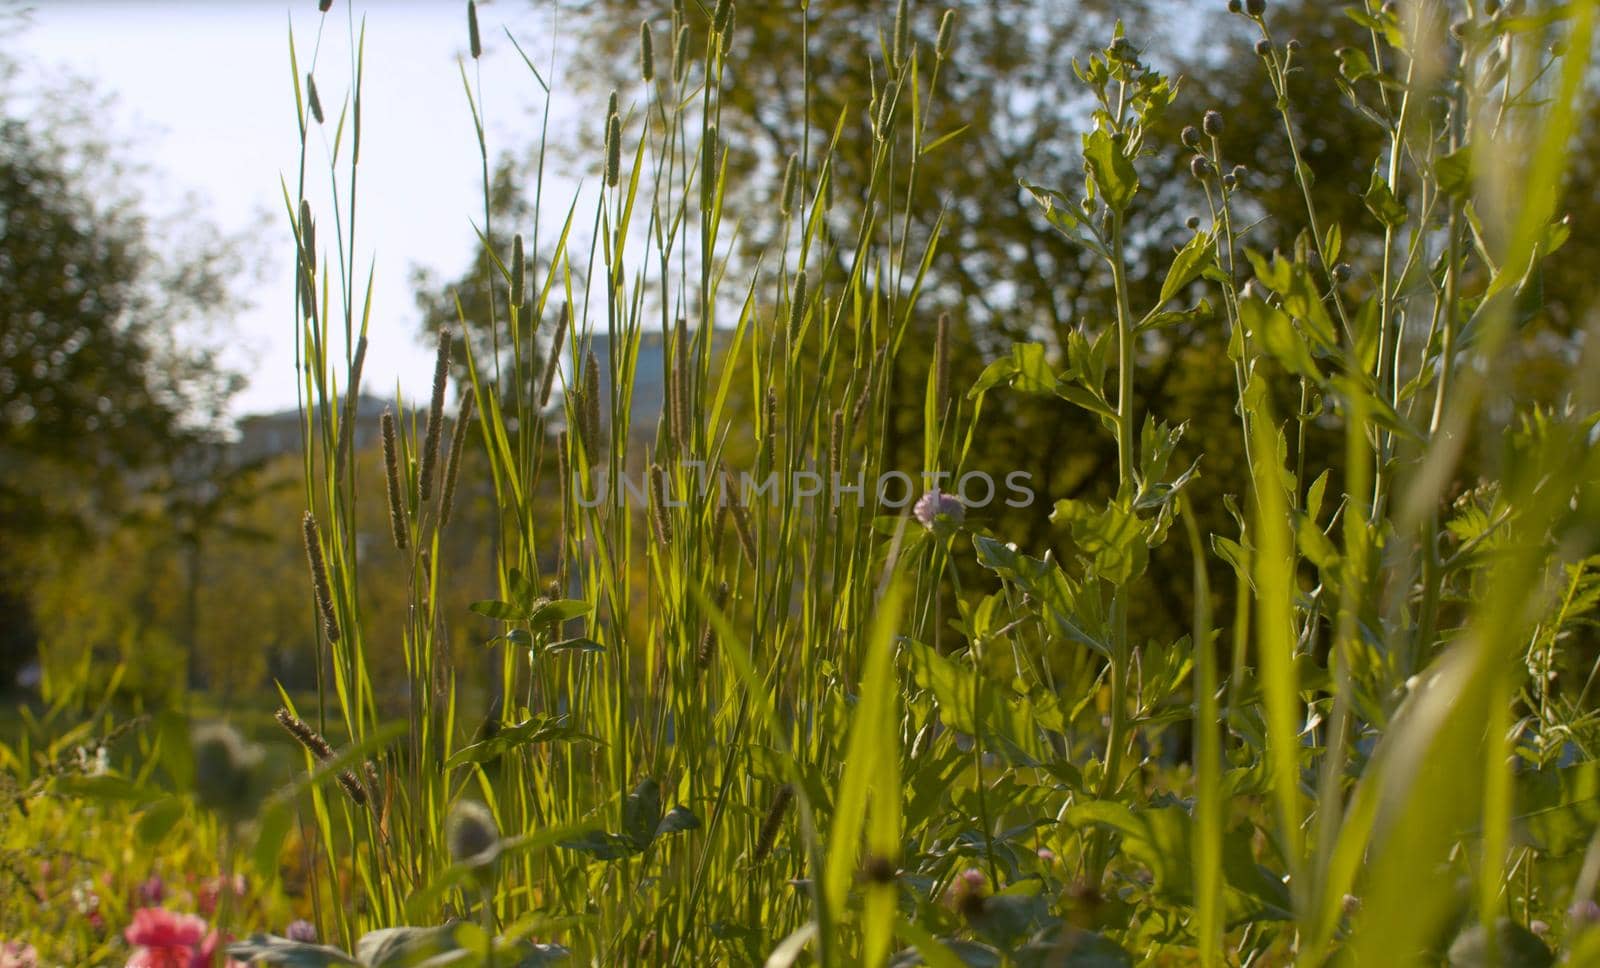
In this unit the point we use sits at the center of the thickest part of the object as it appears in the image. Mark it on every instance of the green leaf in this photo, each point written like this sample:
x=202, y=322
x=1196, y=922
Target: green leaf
x=1190, y=262
x=1274, y=331
x=539, y=729
x=405, y=947
x=268, y=949
x=1513, y=946
x=1454, y=172
x=158, y=819
x=1111, y=170
x=579, y=644
x=678, y=819
x=1381, y=203
x=1200, y=312
x=1025, y=368
x=554, y=611
x=641, y=813
x=501, y=611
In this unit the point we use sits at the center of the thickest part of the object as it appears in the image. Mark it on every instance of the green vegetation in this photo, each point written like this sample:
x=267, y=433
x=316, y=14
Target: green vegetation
x=692, y=722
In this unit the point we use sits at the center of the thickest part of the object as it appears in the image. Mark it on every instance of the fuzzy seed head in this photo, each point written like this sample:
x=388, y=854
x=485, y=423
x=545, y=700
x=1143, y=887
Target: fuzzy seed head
x=1190, y=136
x=1199, y=167
x=946, y=28
x=320, y=586
x=680, y=54
x=452, y=468
x=474, y=41
x=471, y=834
x=551, y=365
x=430, y=442
x=722, y=16
x=613, y=151
x=391, y=473
x=791, y=178
x=797, y=304
x=519, y=272
x=902, y=34
x=647, y=53
x=1211, y=124
x=314, y=102
x=226, y=771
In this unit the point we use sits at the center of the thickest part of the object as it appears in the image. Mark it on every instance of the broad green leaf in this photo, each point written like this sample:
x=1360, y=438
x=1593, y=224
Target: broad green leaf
x=268, y=949
x=1187, y=266
x=1111, y=170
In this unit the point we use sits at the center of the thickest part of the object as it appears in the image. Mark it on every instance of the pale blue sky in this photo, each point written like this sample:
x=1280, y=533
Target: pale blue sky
x=204, y=95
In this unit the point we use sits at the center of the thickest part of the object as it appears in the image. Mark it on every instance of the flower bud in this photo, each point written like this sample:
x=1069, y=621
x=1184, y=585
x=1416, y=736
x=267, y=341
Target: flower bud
x=1193, y=223
x=1341, y=272
x=1255, y=8
x=1199, y=167
x=1190, y=137
x=1293, y=46
x=1263, y=47
x=1212, y=124
x=1236, y=6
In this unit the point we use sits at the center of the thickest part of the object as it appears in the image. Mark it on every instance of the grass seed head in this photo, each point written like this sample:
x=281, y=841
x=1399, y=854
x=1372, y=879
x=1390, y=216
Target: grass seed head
x=314, y=102
x=519, y=272
x=723, y=15
x=430, y=441
x=613, y=150
x=680, y=55
x=474, y=41
x=391, y=473
x=319, y=577
x=947, y=25
x=552, y=364
x=452, y=467
x=647, y=52
x=791, y=179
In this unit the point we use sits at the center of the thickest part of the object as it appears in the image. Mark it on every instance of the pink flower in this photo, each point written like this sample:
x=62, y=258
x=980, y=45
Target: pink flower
x=936, y=504
x=15, y=954
x=165, y=939
x=153, y=891
x=211, y=954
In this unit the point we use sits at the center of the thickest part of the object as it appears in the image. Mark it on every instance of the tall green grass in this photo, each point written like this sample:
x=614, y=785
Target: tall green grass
x=728, y=734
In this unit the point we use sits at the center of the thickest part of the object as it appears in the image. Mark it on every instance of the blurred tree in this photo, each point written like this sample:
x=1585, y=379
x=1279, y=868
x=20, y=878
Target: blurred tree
x=101, y=385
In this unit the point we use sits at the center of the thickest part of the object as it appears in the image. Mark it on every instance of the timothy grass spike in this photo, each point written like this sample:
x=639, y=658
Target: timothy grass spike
x=391, y=473
x=430, y=441
x=319, y=577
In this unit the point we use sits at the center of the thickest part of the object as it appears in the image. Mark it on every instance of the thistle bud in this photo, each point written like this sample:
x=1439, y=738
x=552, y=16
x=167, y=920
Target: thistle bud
x=314, y=102
x=1193, y=223
x=1255, y=8
x=946, y=26
x=471, y=834
x=1293, y=46
x=1211, y=124
x=647, y=52
x=1190, y=136
x=1236, y=6
x=1199, y=167
x=1341, y=272
x=1263, y=47
x=324, y=6
x=475, y=42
